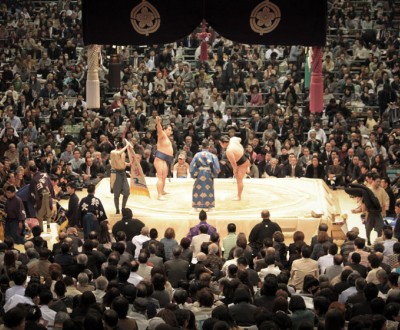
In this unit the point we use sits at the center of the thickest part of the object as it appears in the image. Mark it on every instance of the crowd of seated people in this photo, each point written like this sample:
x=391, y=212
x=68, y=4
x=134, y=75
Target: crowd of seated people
x=132, y=280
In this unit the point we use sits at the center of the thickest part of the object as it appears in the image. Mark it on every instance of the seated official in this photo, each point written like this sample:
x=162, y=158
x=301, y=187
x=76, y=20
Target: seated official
x=315, y=170
x=273, y=169
x=335, y=175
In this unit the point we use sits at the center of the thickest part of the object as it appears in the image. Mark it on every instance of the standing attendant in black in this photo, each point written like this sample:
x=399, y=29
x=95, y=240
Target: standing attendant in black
x=131, y=227
x=73, y=206
x=15, y=216
x=91, y=212
x=261, y=231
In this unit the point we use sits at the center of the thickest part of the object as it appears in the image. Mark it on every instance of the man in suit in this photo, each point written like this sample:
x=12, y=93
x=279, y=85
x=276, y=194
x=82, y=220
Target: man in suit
x=21, y=105
x=273, y=169
x=349, y=163
x=315, y=170
x=326, y=156
x=348, y=160
x=293, y=169
x=89, y=172
x=281, y=130
x=147, y=163
x=117, y=118
x=262, y=166
x=313, y=143
x=369, y=158
x=258, y=125
x=335, y=174
x=176, y=268
x=306, y=158
x=354, y=170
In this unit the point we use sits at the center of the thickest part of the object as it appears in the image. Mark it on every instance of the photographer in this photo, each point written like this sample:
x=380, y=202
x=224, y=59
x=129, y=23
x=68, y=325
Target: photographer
x=58, y=186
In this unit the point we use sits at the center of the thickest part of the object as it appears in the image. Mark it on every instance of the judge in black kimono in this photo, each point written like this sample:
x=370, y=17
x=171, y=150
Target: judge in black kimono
x=15, y=216
x=315, y=170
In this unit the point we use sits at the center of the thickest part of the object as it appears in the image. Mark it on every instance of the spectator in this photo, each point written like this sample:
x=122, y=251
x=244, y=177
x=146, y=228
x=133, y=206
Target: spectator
x=176, y=269
x=303, y=267
x=169, y=242
x=138, y=240
x=203, y=221
x=263, y=230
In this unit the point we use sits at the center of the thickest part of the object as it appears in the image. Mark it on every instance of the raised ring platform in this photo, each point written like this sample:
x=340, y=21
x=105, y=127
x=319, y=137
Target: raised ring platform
x=290, y=201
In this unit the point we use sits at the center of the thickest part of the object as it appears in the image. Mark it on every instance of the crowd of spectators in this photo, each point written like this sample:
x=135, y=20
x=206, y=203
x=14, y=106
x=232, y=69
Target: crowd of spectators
x=131, y=280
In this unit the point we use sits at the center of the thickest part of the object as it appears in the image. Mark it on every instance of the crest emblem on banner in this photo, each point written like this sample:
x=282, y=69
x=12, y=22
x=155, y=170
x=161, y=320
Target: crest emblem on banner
x=265, y=17
x=145, y=18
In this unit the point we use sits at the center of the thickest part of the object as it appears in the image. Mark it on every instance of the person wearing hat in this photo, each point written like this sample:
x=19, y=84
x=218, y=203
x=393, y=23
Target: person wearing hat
x=120, y=185
x=181, y=168
x=204, y=168
x=163, y=157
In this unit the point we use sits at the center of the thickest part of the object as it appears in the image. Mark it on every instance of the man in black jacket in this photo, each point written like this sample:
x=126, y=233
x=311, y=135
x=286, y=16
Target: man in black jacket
x=73, y=206
x=293, y=170
x=131, y=227
x=315, y=170
x=261, y=231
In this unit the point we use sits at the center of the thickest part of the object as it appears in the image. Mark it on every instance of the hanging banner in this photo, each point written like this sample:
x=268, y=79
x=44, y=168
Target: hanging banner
x=270, y=22
x=138, y=184
x=146, y=22
x=139, y=22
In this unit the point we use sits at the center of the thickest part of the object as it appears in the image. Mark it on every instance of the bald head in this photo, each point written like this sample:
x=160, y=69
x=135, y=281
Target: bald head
x=270, y=252
x=62, y=236
x=201, y=256
x=265, y=214
x=145, y=231
x=28, y=245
